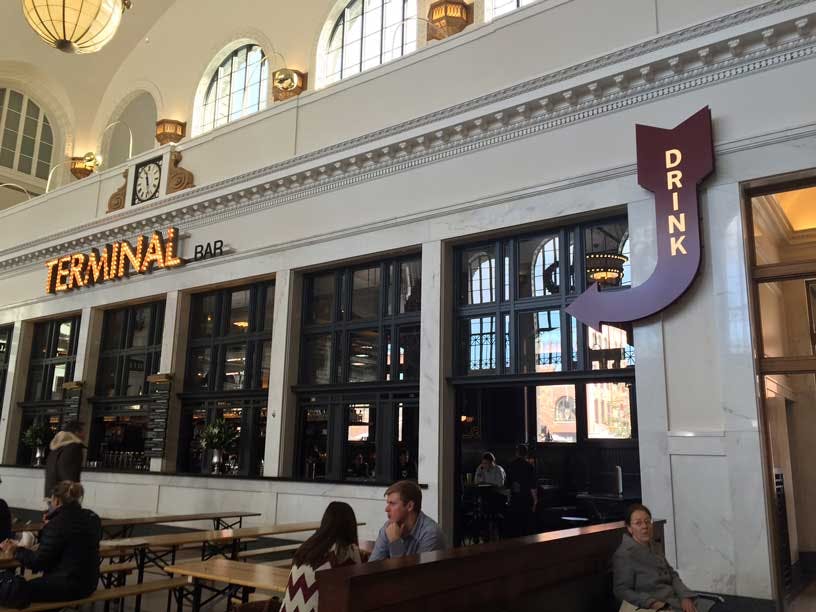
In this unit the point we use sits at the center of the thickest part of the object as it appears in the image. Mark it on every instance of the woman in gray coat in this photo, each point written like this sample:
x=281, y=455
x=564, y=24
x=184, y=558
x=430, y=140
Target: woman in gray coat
x=643, y=578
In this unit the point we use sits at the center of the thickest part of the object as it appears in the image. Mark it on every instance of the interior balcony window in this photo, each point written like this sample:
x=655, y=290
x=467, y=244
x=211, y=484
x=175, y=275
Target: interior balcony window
x=238, y=87
x=497, y=8
x=366, y=33
x=27, y=142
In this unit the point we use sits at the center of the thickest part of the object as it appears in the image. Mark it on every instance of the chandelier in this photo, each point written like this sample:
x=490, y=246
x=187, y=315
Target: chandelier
x=605, y=268
x=75, y=26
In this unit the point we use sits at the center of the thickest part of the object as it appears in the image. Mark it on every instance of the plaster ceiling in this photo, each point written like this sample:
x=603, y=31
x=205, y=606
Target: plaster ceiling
x=83, y=78
x=799, y=207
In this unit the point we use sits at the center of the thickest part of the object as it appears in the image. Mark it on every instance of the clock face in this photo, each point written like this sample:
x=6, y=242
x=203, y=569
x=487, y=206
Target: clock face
x=148, y=177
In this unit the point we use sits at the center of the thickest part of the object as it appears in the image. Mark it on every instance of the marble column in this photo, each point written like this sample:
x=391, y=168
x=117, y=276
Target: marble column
x=173, y=360
x=436, y=406
x=87, y=361
x=281, y=414
x=16, y=378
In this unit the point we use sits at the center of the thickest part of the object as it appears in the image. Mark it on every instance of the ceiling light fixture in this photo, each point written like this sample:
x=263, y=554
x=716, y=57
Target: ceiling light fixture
x=75, y=26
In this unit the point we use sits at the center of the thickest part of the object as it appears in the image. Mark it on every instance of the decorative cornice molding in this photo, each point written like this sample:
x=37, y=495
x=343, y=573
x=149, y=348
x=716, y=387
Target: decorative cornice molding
x=756, y=51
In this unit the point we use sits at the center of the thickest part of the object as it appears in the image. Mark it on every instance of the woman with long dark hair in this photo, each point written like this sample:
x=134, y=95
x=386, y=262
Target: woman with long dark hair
x=334, y=544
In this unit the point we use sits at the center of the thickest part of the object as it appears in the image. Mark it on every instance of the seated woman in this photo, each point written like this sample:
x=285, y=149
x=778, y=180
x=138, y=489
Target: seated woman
x=332, y=545
x=68, y=554
x=644, y=580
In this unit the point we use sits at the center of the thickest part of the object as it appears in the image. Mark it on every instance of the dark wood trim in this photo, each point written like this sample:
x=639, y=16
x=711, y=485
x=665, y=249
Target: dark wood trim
x=785, y=271
x=568, y=569
x=787, y=365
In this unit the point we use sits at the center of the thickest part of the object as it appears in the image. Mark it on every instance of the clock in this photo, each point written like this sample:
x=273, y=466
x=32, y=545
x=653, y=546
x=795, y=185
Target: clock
x=147, y=181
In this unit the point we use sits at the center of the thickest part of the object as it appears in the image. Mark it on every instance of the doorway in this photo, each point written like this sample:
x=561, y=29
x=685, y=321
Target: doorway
x=782, y=225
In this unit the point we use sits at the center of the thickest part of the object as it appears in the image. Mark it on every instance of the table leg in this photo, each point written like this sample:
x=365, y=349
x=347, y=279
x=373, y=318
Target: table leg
x=196, y=595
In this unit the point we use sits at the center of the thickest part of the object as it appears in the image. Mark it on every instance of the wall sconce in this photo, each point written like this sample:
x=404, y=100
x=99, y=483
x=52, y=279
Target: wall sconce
x=170, y=130
x=82, y=167
x=287, y=83
x=448, y=17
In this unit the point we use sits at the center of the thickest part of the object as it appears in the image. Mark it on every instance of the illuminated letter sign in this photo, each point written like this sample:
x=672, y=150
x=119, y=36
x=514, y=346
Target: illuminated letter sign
x=115, y=261
x=671, y=164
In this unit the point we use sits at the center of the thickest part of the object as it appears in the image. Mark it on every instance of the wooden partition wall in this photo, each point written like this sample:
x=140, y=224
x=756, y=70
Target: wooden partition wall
x=566, y=570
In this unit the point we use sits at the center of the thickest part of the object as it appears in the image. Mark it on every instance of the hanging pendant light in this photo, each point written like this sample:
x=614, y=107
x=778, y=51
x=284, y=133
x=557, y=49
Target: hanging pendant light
x=75, y=26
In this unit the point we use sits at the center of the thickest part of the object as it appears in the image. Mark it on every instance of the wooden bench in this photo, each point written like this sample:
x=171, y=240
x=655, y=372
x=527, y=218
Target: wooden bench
x=105, y=595
x=260, y=552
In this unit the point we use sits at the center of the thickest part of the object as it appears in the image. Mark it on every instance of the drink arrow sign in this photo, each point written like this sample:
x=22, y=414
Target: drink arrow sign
x=671, y=164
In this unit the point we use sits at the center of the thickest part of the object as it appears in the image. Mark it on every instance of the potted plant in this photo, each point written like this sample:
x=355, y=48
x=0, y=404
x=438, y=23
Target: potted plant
x=216, y=437
x=36, y=437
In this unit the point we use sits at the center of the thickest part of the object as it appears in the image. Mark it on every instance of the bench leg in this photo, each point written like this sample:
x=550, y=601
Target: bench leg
x=196, y=595
x=140, y=578
x=170, y=593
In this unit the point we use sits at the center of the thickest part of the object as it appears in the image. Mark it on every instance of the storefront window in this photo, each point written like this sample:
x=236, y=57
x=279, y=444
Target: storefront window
x=130, y=352
x=217, y=360
x=556, y=414
x=551, y=352
x=361, y=328
x=52, y=358
x=225, y=393
x=359, y=453
x=244, y=423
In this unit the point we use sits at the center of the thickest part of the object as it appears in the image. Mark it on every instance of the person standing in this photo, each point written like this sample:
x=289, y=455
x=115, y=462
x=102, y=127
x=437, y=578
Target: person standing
x=65, y=459
x=521, y=481
x=408, y=531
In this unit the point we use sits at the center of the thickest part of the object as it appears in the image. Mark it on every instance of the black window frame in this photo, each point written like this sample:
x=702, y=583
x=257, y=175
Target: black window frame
x=342, y=325
x=50, y=330
x=384, y=393
x=576, y=365
x=220, y=340
x=252, y=397
x=251, y=445
x=150, y=351
x=384, y=410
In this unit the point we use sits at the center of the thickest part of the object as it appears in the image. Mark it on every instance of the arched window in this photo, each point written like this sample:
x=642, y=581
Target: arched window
x=482, y=278
x=238, y=88
x=367, y=33
x=27, y=140
x=497, y=8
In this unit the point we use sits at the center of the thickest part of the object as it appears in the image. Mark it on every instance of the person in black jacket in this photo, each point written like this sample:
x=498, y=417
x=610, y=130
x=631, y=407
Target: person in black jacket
x=68, y=554
x=64, y=462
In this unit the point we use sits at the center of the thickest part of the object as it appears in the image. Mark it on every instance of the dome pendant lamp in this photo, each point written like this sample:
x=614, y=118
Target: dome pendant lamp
x=75, y=26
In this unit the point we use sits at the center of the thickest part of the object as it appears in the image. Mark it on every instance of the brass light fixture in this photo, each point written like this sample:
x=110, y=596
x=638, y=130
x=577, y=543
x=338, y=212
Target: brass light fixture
x=170, y=130
x=75, y=26
x=605, y=268
x=84, y=166
x=447, y=17
x=287, y=83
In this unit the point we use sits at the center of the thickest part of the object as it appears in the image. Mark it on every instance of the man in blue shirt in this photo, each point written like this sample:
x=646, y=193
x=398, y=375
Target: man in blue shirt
x=409, y=531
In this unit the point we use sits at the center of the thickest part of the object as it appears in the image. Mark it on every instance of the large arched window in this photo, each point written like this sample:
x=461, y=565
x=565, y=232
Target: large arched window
x=367, y=33
x=238, y=88
x=497, y=8
x=27, y=140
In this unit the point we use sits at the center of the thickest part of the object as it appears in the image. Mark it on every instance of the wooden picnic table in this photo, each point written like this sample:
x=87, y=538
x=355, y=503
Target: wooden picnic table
x=236, y=575
x=123, y=527
x=160, y=550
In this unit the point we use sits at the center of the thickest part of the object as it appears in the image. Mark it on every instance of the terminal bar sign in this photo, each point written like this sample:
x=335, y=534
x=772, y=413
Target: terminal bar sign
x=671, y=164
x=115, y=261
